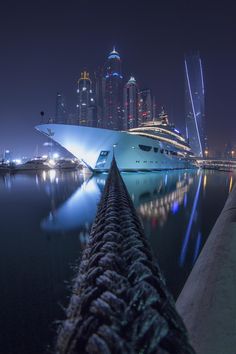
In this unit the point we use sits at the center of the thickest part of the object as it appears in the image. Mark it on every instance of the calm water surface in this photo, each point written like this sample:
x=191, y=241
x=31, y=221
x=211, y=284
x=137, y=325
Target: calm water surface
x=45, y=220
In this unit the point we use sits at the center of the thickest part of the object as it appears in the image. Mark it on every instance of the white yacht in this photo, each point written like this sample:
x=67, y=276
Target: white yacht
x=34, y=164
x=155, y=145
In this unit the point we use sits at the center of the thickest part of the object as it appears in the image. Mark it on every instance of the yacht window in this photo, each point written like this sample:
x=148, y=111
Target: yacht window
x=167, y=152
x=145, y=147
x=102, y=159
x=104, y=153
x=161, y=151
x=155, y=149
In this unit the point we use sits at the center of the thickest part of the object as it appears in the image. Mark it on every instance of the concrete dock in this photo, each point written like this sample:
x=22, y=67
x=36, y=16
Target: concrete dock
x=207, y=302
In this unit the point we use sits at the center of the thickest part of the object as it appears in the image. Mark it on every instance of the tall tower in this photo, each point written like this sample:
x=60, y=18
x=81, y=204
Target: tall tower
x=145, y=106
x=113, y=92
x=85, y=99
x=131, y=104
x=60, y=116
x=100, y=95
x=195, y=104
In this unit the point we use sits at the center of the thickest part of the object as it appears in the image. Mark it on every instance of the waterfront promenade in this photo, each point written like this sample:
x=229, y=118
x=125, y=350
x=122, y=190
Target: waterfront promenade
x=207, y=302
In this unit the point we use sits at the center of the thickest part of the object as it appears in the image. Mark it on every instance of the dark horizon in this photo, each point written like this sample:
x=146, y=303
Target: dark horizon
x=45, y=47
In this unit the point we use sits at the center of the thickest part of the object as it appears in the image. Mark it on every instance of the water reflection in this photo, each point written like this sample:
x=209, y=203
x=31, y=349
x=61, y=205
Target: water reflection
x=193, y=217
x=165, y=201
x=45, y=222
x=77, y=211
x=153, y=197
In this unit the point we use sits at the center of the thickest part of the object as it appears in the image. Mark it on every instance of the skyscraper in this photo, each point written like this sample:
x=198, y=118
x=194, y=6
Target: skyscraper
x=85, y=102
x=195, y=104
x=145, y=106
x=100, y=95
x=60, y=116
x=131, y=104
x=113, y=93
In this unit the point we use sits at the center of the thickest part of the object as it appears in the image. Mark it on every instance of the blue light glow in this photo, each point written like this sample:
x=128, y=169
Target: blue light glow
x=114, y=74
x=193, y=108
x=203, y=87
x=175, y=207
x=166, y=179
x=197, y=246
x=113, y=56
x=185, y=200
x=187, y=235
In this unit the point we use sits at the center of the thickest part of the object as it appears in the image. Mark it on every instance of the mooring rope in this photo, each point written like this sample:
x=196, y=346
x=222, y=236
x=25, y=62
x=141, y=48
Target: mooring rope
x=120, y=303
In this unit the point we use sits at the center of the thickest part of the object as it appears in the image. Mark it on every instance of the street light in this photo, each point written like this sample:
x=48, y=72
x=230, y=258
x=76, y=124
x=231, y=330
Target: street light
x=206, y=153
x=232, y=153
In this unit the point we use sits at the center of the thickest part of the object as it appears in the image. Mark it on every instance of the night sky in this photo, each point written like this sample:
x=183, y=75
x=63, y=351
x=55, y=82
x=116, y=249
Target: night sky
x=45, y=46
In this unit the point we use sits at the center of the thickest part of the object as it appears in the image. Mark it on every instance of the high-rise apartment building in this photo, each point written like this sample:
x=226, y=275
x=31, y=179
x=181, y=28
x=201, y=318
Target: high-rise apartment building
x=131, y=104
x=195, y=104
x=100, y=95
x=113, y=100
x=85, y=101
x=60, y=116
x=145, y=106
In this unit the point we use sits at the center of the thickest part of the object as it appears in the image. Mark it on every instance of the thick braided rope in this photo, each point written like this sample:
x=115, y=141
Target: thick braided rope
x=120, y=303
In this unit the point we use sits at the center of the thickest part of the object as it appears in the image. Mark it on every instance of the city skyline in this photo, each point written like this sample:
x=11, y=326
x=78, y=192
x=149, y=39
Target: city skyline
x=106, y=100
x=40, y=58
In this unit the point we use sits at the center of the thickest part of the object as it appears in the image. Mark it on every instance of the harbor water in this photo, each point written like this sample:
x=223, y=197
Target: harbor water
x=45, y=222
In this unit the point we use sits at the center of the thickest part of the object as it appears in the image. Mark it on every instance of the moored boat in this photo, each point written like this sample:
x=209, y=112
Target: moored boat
x=155, y=145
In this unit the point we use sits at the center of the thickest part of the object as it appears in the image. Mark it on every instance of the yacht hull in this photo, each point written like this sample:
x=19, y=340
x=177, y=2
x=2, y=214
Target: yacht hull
x=95, y=147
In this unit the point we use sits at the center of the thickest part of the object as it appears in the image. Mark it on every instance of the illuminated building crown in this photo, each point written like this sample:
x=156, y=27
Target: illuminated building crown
x=114, y=54
x=84, y=76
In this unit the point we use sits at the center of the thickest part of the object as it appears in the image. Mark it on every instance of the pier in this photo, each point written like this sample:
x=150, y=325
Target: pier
x=120, y=303
x=217, y=164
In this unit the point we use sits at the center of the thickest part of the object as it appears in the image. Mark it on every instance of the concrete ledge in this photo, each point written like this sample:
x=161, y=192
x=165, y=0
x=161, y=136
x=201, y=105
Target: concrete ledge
x=207, y=302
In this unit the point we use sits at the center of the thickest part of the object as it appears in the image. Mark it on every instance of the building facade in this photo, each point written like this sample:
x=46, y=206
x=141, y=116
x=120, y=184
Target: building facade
x=113, y=100
x=85, y=101
x=60, y=114
x=145, y=106
x=131, y=104
x=195, y=104
x=100, y=95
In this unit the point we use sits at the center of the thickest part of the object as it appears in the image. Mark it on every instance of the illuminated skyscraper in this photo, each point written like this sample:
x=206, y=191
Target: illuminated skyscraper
x=100, y=95
x=85, y=102
x=145, y=106
x=131, y=104
x=60, y=116
x=195, y=104
x=113, y=93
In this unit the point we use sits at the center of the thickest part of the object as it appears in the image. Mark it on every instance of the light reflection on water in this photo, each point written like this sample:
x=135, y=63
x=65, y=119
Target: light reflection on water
x=45, y=222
